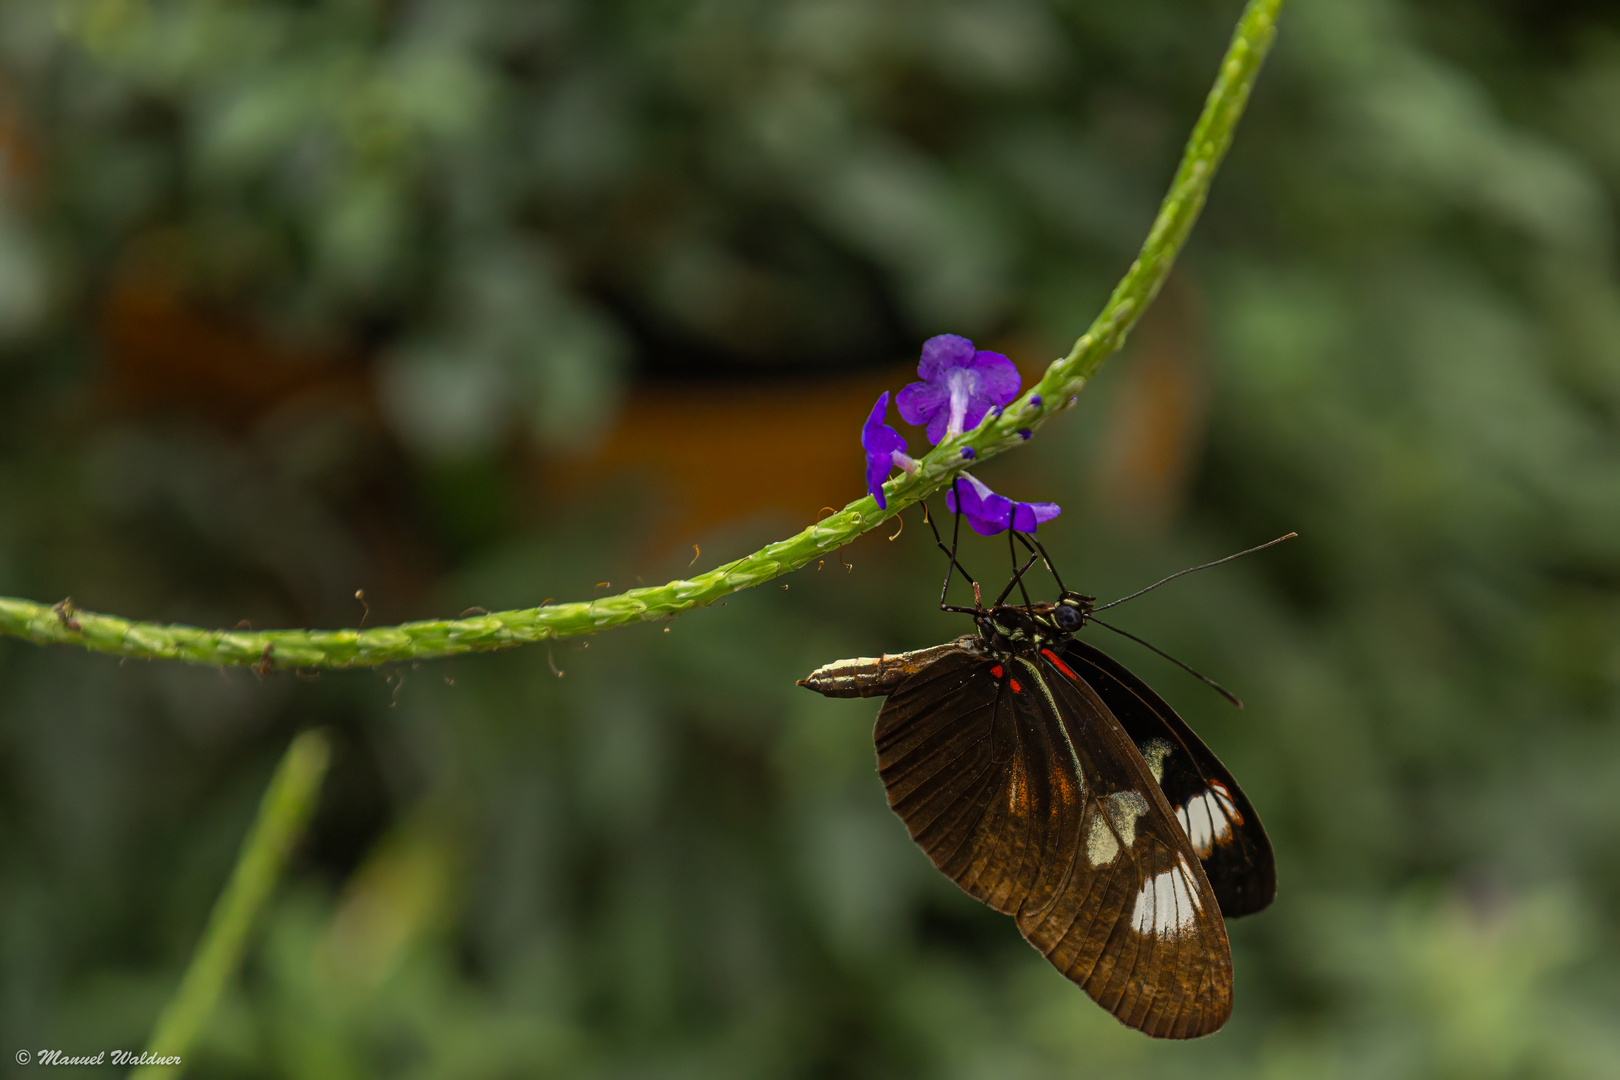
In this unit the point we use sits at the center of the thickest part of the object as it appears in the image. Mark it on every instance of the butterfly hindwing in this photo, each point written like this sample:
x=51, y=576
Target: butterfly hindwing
x=1137, y=924
x=1022, y=787
x=1222, y=826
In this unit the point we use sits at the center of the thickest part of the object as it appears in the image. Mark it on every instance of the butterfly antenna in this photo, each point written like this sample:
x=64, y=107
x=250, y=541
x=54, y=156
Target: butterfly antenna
x=1217, y=687
x=1193, y=569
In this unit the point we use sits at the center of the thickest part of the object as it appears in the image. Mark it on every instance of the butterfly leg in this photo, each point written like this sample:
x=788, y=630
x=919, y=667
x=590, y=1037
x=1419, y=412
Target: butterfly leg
x=1035, y=545
x=952, y=564
x=1018, y=572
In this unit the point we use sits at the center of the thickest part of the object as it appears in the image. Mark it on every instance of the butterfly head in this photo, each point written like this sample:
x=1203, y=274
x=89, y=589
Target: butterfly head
x=1071, y=611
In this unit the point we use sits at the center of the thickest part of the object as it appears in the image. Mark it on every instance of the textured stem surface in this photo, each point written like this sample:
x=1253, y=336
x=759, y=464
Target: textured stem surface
x=269, y=649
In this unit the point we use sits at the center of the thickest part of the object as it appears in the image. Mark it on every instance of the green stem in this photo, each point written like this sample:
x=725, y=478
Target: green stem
x=283, y=813
x=63, y=624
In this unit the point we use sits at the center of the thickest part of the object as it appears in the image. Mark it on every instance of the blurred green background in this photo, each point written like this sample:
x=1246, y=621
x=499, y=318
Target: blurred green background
x=480, y=303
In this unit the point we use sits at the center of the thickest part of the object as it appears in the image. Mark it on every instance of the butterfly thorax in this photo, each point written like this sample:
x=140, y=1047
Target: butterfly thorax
x=1014, y=628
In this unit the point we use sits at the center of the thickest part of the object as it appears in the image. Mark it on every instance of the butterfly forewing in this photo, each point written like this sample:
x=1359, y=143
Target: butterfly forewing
x=1222, y=826
x=938, y=752
x=1021, y=786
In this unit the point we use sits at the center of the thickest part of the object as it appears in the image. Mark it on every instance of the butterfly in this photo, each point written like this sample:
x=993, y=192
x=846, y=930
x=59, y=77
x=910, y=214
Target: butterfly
x=1053, y=785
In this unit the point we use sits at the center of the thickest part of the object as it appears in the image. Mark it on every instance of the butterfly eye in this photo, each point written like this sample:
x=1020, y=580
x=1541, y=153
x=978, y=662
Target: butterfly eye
x=1068, y=618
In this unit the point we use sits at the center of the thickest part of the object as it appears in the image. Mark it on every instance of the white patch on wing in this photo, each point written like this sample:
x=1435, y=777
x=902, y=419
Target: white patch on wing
x=1124, y=807
x=1154, y=751
x=1101, y=847
x=1207, y=818
x=1168, y=903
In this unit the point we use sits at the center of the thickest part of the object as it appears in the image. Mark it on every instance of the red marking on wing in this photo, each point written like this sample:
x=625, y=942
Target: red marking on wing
x=1015, y=687
x=996, y=671
x=1060, y=665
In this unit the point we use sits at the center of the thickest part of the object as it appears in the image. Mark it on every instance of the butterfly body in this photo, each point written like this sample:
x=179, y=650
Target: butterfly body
x=1053, y=785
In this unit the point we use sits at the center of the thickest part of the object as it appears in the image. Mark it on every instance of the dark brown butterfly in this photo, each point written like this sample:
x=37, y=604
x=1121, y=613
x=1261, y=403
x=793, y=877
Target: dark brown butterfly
x=1050, y=783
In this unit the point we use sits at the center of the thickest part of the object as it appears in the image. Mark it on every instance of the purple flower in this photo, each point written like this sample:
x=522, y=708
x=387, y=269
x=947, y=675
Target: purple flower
x=885, y=450
x=959, y=384
x=989, y=513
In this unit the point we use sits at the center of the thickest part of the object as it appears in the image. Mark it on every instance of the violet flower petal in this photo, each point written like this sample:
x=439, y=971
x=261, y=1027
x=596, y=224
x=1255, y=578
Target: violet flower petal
x=880, y=441
x=1026, y=516
x=986, y=512
x=944, y=351
x=919, y=401
x=998, y=377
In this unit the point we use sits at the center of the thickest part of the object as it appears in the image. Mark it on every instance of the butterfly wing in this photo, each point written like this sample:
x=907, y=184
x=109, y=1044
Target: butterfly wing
x=1224, y=829
x=1024, y=790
